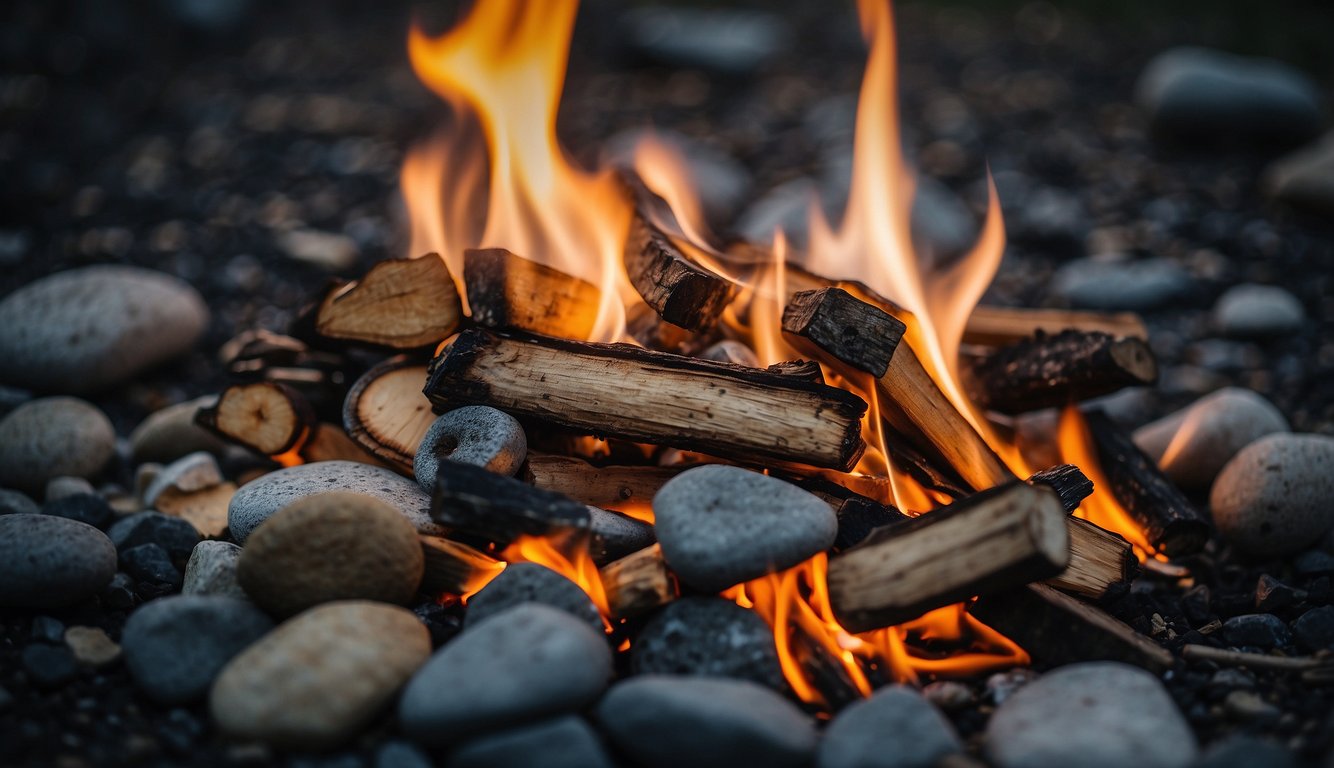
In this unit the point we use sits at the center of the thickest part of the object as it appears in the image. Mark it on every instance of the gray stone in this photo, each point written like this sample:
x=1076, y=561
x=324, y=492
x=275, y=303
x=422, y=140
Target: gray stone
x=1193, y=444
x=531, y=583
x=151, y=563
x=86, y=508
x=708, y=520
x=665, y=722
x=401, y=754
x=1315, y=629
x=529, y=662
x=173, y=534
x=1272, y=498
x=949, y=695
x=58, y=488
x=723, y=40
x=1106, y=283
x=257, y=500
x=566, y=742
x=51, y=437
x=1305, y=178
x=328, y=250
x=193, y=472
x=616, y=535
x=47, y=629
x=894, y=728
x=1257, y=311
x=473, y=434
x=174, y=647
x=1003, y=685
x=721, y=181
x=212, y=570
x=171, y=433
x=711, y=637
x=1262, y=630
x=1246, y=706
x=86, y=329
x=49, y=666
x=47, y=562
x=1098, y=714
x=17, y=503
x=1245, y=752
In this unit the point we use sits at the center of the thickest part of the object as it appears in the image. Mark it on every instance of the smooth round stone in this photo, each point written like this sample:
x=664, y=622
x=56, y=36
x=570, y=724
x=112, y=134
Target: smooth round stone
x=17, y=503
x=47, y=561
x=86, y=508
x=1097, y=283
x=318, y=678
x=530, y=662
x=531, y=583
x=894, y=728
x=171, y=433
x=1193, y=444
x=1098, y=714
x=259, y=499
x=51, y=437
x=1315, y=629
x=711, y=637
x=401, y=754
x=566, y=742
x=473, y=434
x=83, y=330
x=1305, y=178
x=58, y=488
x=175, y=646
x=665, y=722
x=1257, y=311
x=331, y=546
x=708, y=519
x=150, y=563
x=212, y=570
x=1273, y=498
x=178, y=537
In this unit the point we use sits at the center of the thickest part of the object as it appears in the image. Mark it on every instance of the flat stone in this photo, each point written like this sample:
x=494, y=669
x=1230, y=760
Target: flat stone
x=58, y=488
x=317, y=679
x=212, y=570
x=257, y=500
x=616, y=535
x=1314, y=629
x=529, y=662
x=151, y=563
x=168, y=434
x=92, y=646
x=1272, y=498
x=1258, y=311
x=1098, y=714
x=722, y=40
x=1261, y=630
x=1249, y=706
x=175, y=646
x=17, y=503
x=178, y=537
x=708, y=521
x=474, y=434
x=51, y=437
x=894, y=728
x=1193, y=444
x=565, y=742
x=665, y=722
x=1305, y=178
x=48, y=562
x=710, y=637
x=83, y=330
x=85, y=507
x=532, y=583
x=193, y=472
x=1110, y=284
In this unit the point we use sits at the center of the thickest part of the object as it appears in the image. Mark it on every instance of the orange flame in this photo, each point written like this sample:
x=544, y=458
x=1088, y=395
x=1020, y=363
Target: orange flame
x=1102, y=509
x=567, y=555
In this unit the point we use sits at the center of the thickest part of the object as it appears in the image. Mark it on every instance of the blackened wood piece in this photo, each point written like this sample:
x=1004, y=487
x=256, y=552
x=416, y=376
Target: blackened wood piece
x=265, y=416
x=611, y=487
x=783, y=413
x=1070, y=484
x=1171, y=523
x=508, y=291
x=681, y=291
x=859, y=517
x=829, y=319
x=1048, y=371
x=473, y=500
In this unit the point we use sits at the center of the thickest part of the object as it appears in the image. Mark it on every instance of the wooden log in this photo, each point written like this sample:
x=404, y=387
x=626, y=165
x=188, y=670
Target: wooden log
x=399, y=303
x=1170, y=522
x=619, y=488
x=832, y=320
x=860, y=517
x=328, y=442
x=1049, y=371
x=671, y=281
x=455, y=568
x=997, y=326
x=992, y=541
x=509, y=291
x=784, y=413
x=1099, y=559
x=265, y=416
x=1070, y=484
x=386, y=413
x=473, y=500
x=638, y=583
x=646, y=326
x=1057, y=629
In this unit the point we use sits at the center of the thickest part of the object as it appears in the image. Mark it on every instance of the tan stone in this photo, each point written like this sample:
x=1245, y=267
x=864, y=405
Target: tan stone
x=92, y=646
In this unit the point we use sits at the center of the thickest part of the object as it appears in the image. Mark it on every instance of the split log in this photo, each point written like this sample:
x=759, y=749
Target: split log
x=328, y=442
x=1049, y=371
x=670, y=279
x=638, y=583
x=265, y=416
x=996, y=326
x=509, y=291
x=455, y=568
x=619, y=488
x=1057, y=629
x=386, y=413
x=399, y=303
x=474, y=500
x=1070, y=484
x=784, y=413
x=831, y=319
x=1170, y=522
x=992, y=541
x=1099, y=559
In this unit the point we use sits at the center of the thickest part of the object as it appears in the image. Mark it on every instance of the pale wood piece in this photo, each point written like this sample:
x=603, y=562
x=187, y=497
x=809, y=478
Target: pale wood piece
x=205, y=509
x=386, y=413
x=265, y=416
x=638, y=583
x=399, y=303
x=994, y=326
x=455, y=568
x=618, y=488
x=680, y=290
x=509, y=291
x=1049, y=371
x=1193, y=652
x=328, y=442
x=1099, y=559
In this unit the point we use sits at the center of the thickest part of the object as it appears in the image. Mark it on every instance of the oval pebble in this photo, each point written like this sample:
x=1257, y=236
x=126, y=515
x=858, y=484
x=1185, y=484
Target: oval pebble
x=211, y=570
x=711, y=637
x=1273, y=498
x=168, y=434
x=47, y=561
x=474, y=434
x=1257, y=311
x=894, y=728
x=1192, y=445
x=17, y=503
x=566, y=742
x=531, y=583
x=51, y=437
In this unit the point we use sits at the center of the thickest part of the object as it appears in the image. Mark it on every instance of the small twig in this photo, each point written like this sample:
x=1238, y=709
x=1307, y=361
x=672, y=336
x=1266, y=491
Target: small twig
x=1255, y=660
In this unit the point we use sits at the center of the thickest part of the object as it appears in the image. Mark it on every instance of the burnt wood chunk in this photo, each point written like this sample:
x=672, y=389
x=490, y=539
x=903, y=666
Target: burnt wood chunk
x=473, y=500
x=638, y=583
x=1171, y=523
x=1058, y=629
x=1048, y=371
x=386, y=413
x=829, y=319
x=784, y=413
x=399, y=303
x=997, y=326
x=509, y=291
x=680, y=290
x=1070, y=484
x=265, y=416
x=618, y=488
x=994, y=540
x=860, y=517
x=1099, y=559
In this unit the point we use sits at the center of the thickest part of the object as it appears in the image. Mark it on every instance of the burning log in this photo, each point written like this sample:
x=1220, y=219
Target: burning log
x=454, y=568
x=1170, y=522
x=784, y=413
x=474, y=500
x=638, y=583
x=646, y=326
x=1070, y=484
x=1048, y=371
x=1099, y=559
x=671, y=282
x=265, y=416
x=509, y=291
x=399, y=303
x=998, y=326
x=386, y=413
x=994, y=540
x=1056, y=629
x=836, y=323
x=612, y=487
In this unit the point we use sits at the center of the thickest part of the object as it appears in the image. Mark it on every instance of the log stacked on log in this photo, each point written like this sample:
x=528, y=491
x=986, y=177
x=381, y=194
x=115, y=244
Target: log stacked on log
x=620, y=488
x=476, y=501
x=386, y=413
x=265, y=416
x=674, y=284
x=399, y=303
x=998, y=326
x=509, y=291
x=1049, y=371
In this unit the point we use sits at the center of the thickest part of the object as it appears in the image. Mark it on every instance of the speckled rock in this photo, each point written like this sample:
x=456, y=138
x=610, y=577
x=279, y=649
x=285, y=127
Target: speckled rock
x=706, y=518
x=711, y=637
x=83, y=330
x=1273, y=497
x=319, y=677
x=565, y=742
x=1193, y=444
x=894, y=728
x=17, y=503
x=616, y=535
x=257, y=500
x=1257, y=311
x=1259, y=630
x=1104, y=283
x=473, y=434
x=47, y=562
x=529, y=582
x=50, y=437
x=171, y=433
x=331, y=546
x=211, y=570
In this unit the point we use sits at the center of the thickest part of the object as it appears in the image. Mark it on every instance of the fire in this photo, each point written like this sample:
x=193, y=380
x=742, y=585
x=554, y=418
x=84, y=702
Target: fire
x=566, y=554
x=1101, y=509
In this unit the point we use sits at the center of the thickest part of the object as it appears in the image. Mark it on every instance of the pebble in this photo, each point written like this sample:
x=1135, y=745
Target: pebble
x=1193, y=444
x=1315, y=629
x=1272, y=498
x=151, y=563
x=401, y=754
x=171, y=433
x=193, y=472
x=665, y=722
x=1257, y=311
x=175, y=647
x=212, y=570
x=711, y=637
x=1305, y=178
x=894, y=728
x=174, y=535
x=48, y=562
x=1313, y=562
x=92, y=646
x=474, y=434
x=257, y=500
x=58, y=488
x=565, y=742
x=949, y=695
x=616, y=535
x=331, y=546
x=17, y=503
x=1261, y=630
x=1093, y=714
x=1249, y=706
x=706, y=519
x=47, y=629
x=726, y=41
x=87, y=508
x=1243, y=751
x=532, y=583
x=51, y=437
x=319, y=677
x=83, y=330
x=1272, y=594
x=1103, y=283
x=49, y=666
x=326, y=250
x=528, y=662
